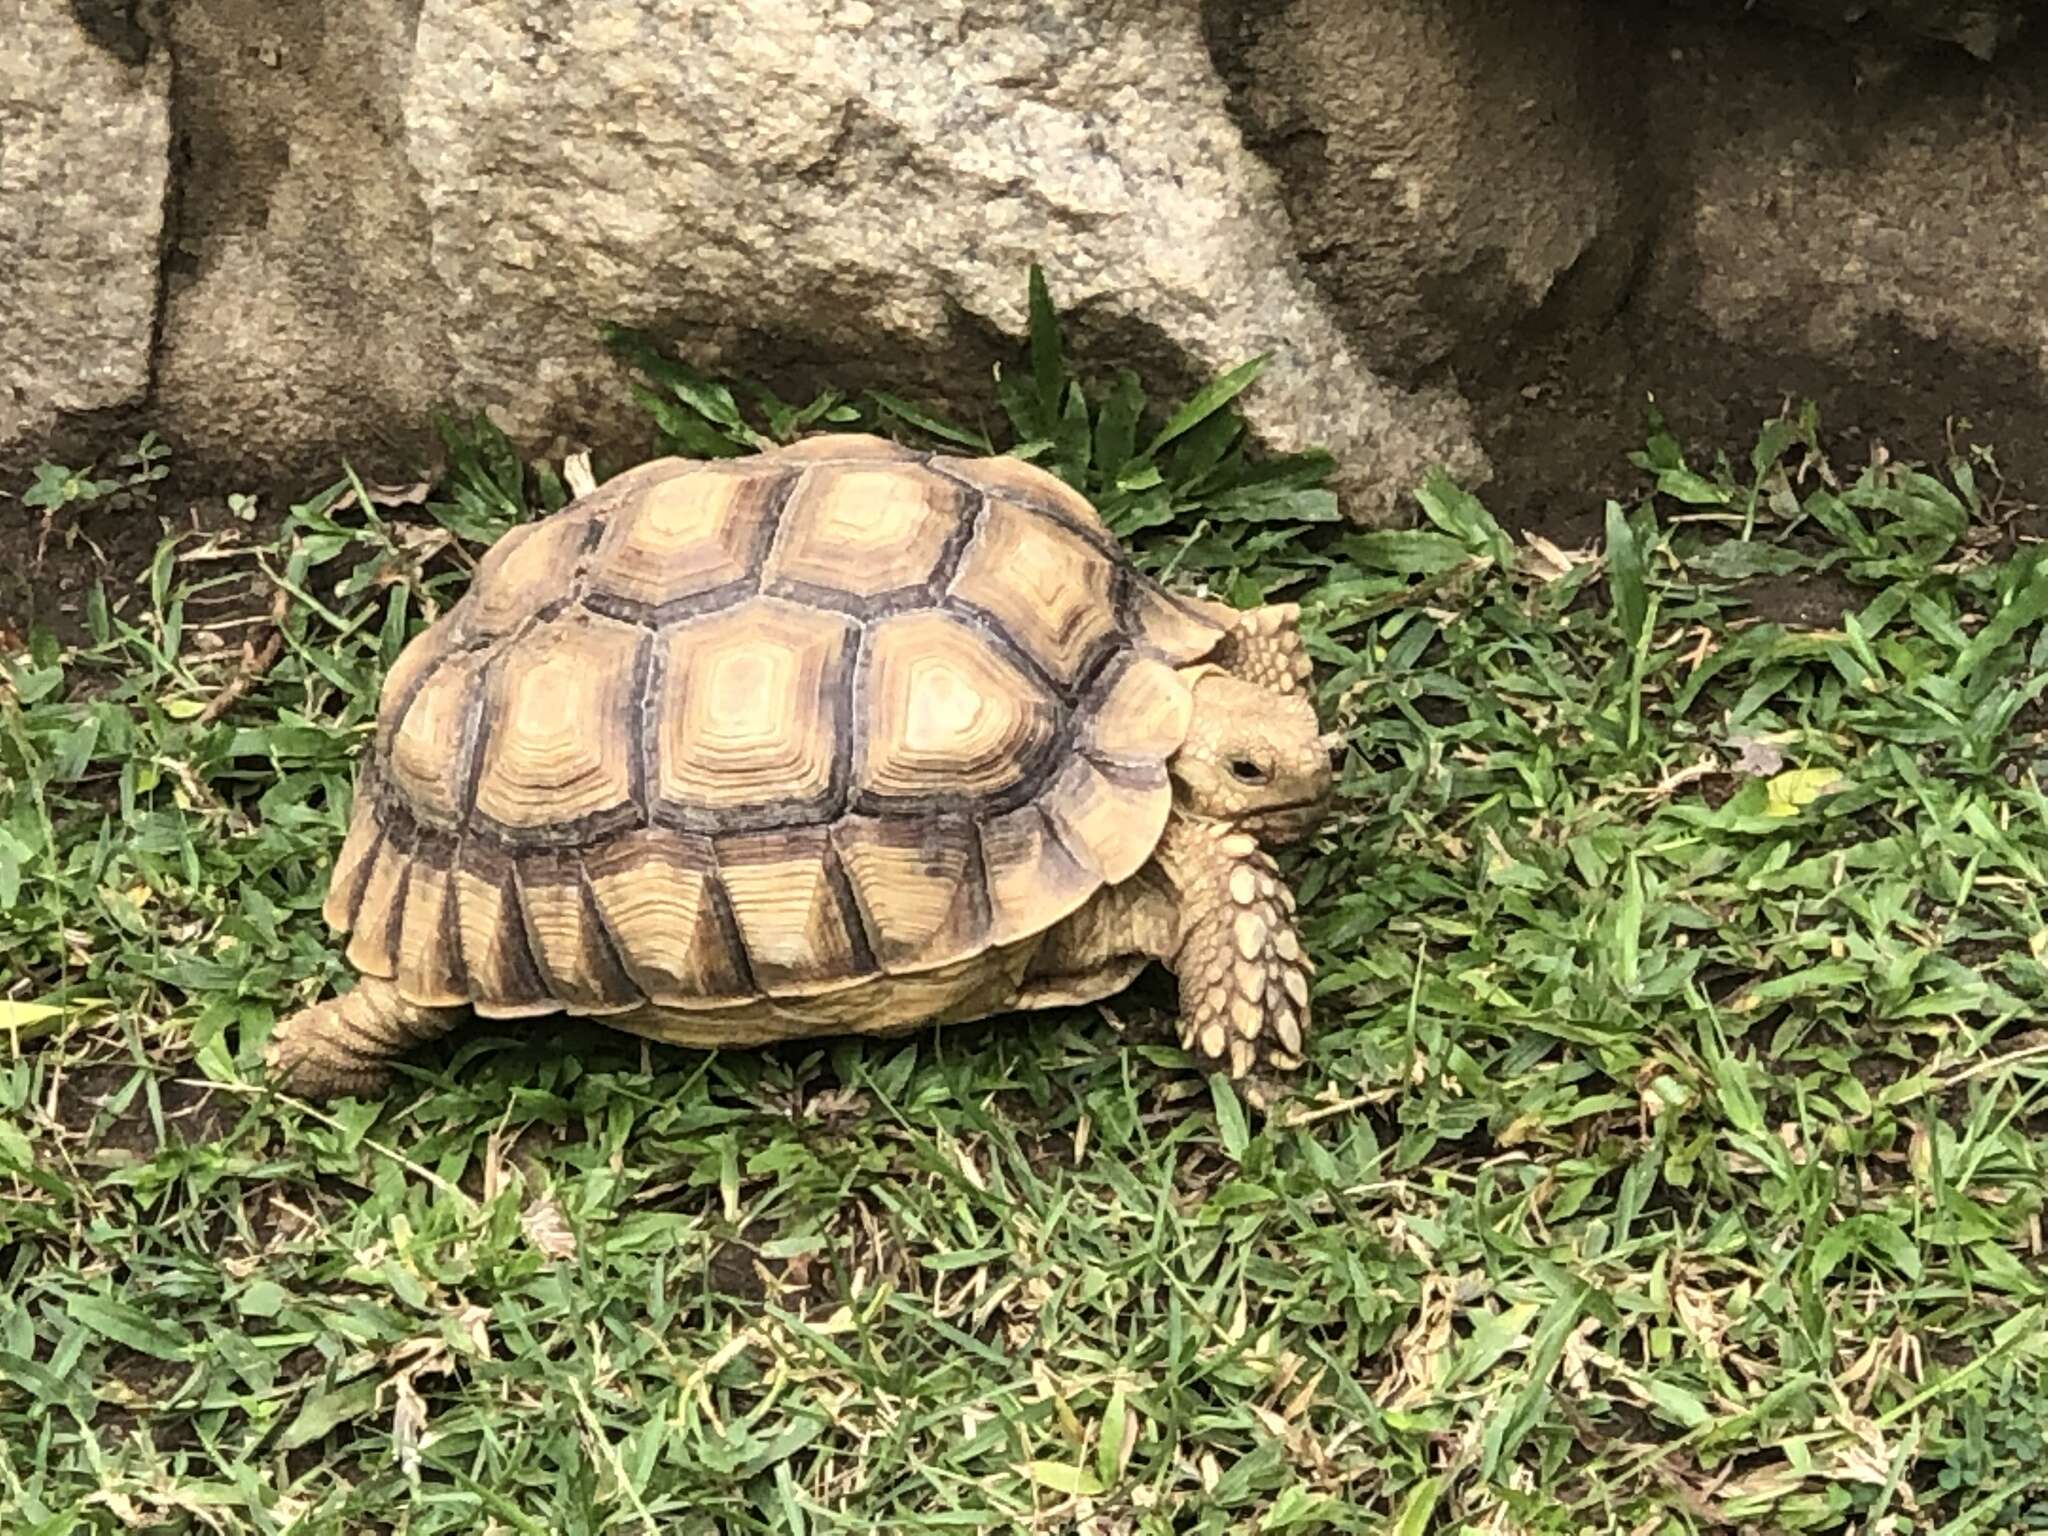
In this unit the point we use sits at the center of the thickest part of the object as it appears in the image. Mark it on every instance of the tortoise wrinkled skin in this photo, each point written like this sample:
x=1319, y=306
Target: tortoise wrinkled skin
x=838, y=738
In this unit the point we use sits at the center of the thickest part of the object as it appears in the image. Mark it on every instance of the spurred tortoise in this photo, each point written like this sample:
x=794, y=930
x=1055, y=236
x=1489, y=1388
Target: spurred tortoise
x=838, y=738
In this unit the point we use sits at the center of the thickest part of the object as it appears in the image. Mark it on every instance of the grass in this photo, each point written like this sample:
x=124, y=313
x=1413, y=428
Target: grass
x=1672, y=1156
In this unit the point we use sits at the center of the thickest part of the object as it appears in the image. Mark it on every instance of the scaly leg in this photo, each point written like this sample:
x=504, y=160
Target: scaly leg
x=1243, y=976
x=346, y=1044
x=1264, y=645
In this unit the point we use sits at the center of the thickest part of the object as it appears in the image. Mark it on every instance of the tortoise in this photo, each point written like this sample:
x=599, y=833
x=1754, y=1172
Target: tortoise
x=837, y=738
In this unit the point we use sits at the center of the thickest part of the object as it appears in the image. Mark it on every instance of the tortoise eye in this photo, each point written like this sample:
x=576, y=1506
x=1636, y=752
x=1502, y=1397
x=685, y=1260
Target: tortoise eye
x=1245, y=771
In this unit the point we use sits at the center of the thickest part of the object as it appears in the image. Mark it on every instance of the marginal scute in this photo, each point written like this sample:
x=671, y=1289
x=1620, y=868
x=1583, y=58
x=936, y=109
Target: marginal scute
x=568, y=937
x=1176, y=629
x=687, y=535
x=1048, y=588
x=352, y=864
x=946, y=715
x=1033, y=880
x=505, y=981
x=1115, y=826
x=560, y=744
x=1139, y=715
x=918, y=883
x=429, y=956
x=797, y=933
x=373, y=931
x=864, y=531
x=653, y=892
x=429, y=765
x=530, y=567
x=752, y=707
x=1019, y=480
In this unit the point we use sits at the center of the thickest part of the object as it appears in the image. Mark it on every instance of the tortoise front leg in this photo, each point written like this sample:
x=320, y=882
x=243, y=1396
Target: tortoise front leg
x=347, y=1044
x=1243, y=976
x=1264, y=646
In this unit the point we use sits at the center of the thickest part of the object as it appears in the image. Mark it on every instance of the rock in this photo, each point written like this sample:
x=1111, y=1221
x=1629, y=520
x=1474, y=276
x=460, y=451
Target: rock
x=84, y=174
x=1832, y=222
x=302, y=319
x=1451, y=168
x=832, y=183
x=1837, y=225
x=1982, y=26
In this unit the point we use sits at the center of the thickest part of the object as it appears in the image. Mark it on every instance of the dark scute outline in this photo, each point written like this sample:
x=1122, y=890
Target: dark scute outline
x=576, y=832
x=838, y=701
x=851, y=915
x=1115, y=635
x=772, y=488
x=966, y=508
x=1100, y=538
x=1033, y=770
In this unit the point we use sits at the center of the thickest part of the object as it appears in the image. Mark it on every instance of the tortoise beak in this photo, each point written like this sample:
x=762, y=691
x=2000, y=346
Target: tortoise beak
x=1283, y=824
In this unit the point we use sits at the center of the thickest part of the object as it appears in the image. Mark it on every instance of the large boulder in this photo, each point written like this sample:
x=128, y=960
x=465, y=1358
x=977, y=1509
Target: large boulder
x=1451, y=167
x=838, y=183
x=84, y=177
x=409, y=203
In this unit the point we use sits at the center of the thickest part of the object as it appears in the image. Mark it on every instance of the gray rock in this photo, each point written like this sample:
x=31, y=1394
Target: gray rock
x=1982, y=26
x=1834, y=223
x=301, y=319
x=795, y=180
x=1452, y=168
x=84, y=172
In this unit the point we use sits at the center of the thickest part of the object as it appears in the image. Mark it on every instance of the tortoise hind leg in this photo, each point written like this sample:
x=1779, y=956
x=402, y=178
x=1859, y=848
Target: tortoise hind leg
x=347, y=1044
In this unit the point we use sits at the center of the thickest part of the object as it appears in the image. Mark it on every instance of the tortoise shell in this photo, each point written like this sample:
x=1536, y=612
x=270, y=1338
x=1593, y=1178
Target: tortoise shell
x=765, y=728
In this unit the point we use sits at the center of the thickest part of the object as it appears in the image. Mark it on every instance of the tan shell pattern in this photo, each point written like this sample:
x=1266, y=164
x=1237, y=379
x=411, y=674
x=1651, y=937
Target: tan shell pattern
x=765, y=727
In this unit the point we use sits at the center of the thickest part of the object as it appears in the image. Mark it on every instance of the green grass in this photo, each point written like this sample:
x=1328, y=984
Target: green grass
x=1671, y=1160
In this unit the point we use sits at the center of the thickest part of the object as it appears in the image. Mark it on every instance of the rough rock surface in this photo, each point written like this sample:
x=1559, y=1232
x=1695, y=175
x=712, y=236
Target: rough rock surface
x=1850, y=224
x=1982, y=26
x=1450, y=168
x=1836, y=223
x=788, y=178
x=84, y=174
x=301, y=319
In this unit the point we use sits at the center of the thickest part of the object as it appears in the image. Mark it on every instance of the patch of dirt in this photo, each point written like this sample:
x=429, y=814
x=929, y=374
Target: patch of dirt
x=193, y=1113
x=1809, y=600
x=133, y=1382
x=806, y=1283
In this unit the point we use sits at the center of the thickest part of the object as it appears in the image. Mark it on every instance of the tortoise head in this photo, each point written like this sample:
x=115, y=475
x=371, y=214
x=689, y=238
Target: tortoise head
x=1253, y=757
